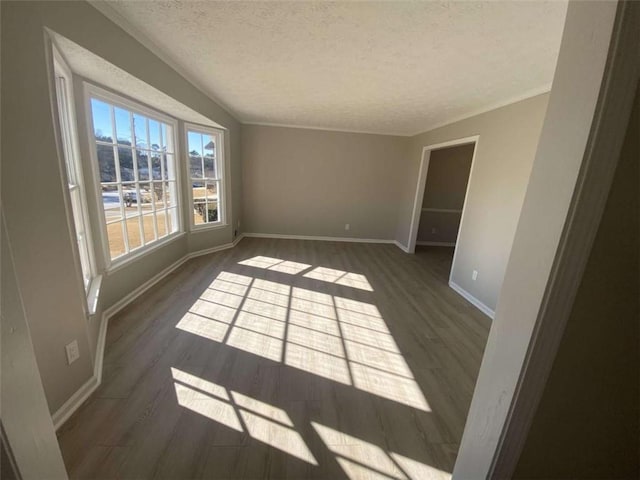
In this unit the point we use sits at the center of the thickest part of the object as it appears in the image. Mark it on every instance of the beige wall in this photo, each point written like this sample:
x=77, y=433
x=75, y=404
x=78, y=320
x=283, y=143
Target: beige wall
x=587, y=423
x=445, y=188
x=44, y=254
x=26, y=422
x=503, y=159
x=447, y=177
x=313, y=182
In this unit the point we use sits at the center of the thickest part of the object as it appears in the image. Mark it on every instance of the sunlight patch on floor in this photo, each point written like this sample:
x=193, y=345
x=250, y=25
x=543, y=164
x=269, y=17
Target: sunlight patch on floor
x=362, y=460
x=340, y=277
x=333, y=337
x=262, y=421
x=324, y=274
x=276, y=264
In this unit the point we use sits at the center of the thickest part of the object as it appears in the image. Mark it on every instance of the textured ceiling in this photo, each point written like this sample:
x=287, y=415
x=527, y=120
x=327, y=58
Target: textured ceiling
x=387, y=67
x=105, y=74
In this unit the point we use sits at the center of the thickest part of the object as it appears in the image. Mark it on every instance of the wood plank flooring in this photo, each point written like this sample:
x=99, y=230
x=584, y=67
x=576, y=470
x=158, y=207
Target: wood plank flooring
x=285, y=359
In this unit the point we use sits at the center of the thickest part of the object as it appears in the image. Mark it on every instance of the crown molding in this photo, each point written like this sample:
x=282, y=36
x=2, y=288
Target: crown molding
x=493, y=106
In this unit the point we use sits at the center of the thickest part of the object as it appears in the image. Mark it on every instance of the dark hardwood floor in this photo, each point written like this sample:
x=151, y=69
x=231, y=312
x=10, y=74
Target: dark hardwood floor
x=285, y=359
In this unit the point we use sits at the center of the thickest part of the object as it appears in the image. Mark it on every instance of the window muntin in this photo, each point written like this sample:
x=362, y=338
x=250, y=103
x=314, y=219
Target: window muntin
x=75, y=184
x=206, y=176
x=136, y=169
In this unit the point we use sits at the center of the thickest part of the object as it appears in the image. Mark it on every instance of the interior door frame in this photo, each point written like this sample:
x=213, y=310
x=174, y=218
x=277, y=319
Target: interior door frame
x=422, y=183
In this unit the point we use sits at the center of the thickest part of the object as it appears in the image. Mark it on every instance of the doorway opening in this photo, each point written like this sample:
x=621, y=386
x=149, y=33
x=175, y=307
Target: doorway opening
x=441, y=194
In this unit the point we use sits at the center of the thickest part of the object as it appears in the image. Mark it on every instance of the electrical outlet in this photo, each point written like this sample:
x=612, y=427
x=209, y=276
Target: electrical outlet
x=347, y=226
x=434, y=230
x=73, y=352
x=474, y=275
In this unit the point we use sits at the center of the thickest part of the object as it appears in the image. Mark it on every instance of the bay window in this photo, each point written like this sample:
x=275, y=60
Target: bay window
x=134, y=163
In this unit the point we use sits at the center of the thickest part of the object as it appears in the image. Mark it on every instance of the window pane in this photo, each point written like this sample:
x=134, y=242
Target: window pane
x=143, y=164
x=133, y=232
x=116, y=239
x=168, y=164
x=212, y=202
x=146, y=196
x=195, y=165
x=102, y=126
x=144, y=204
x=111, y=203
x=199, y=211
x=123, y=126
x=198, y=189
x=148, y=225
x=210, y=167
x=140, y=130
x=194, y=141
x=162, y=224
x=156, y=167
x=154, y=134
x=208, y=144
x=212, y=212
x=106, y=163
x=212, y=191
x=152, y=196
x=125, y=157
x=130, y=199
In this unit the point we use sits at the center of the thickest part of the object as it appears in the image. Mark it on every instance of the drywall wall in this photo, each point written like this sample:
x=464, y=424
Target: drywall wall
x=503, y=159
x=445, y=189
x=586, y=425
x=558, y=160
x=313, y=182
x=26, y=422
x=33, y=194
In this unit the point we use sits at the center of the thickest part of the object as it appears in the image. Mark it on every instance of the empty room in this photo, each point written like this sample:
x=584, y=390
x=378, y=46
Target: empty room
x=320, y=240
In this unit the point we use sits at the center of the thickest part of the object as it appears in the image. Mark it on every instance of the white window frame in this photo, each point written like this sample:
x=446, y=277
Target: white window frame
x=220, y=159
x=79, y=216
x=93, y=91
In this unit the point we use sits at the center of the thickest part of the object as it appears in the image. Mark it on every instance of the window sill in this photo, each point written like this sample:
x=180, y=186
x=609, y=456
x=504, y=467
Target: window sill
x=125, y=261
x=205, y=227
x=93, y=294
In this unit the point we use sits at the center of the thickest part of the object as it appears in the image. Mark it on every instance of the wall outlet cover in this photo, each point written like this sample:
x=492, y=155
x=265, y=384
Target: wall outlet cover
x=347, y=226
x=73, y=352
x=474, y=275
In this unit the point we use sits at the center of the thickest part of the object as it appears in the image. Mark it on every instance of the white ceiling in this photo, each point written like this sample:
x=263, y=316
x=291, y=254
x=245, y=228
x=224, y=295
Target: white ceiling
x=385, y=67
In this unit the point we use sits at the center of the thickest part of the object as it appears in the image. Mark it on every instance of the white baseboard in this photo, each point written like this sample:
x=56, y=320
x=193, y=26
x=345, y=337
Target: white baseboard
x=78, y=398
x=472, y=300
x=437, y=244
x=319, y=238
x=207, y=251
x=401, y=246
x=71, y=405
